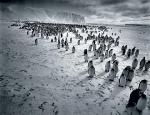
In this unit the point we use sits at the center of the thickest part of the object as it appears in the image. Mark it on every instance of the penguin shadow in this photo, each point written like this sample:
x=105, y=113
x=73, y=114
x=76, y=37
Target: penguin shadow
x=102, y=74
x=83, y=81
x=53, y=49
x=69, y=53
x=80, y=63
x=131, y=111
x=62, y=51
x=32, y=45
x=83, y=72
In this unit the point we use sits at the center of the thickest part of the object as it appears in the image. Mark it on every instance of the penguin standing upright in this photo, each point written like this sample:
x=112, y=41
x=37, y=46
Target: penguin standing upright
x=122, y=49
x=133, y=50
x=78, y=42
x=102, y=58
x=130, y=75
x=122, y=80
x=90, y=64
x=36, y=41
x=91, y=71
x=58, y=45
x=141, y=104
x=62, y=42
x=85, y=41
x=147, y=65
x=113, y=57
x=110, y=52
x=128, y=53
x=73, y=49
x=106, y=54
x=55, y=38
x=107, y=66
x=136, y=53
x=134, y=97
x=94, y=47
x=134, y=63
x=27, y=32
x=67, y=46
x=90, y=47
x=70, y=40
x=142, y=63
x=85, y=55
x=143, y=85
x=112, y=74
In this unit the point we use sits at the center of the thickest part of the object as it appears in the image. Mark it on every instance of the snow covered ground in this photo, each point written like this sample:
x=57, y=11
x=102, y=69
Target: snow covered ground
x=44, y=80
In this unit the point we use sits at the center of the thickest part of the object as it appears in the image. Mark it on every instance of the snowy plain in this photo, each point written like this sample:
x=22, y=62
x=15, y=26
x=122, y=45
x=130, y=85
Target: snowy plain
x=45, y=80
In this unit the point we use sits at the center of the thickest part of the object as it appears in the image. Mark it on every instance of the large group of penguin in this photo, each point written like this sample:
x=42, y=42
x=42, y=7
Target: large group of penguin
x=104, y=51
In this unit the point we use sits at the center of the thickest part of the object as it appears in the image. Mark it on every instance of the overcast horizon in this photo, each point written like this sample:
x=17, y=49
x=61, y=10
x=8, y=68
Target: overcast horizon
x=94, y=11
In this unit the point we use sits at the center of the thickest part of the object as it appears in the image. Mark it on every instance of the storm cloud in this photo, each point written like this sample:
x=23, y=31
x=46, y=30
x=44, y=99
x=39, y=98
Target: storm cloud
x=94, y=11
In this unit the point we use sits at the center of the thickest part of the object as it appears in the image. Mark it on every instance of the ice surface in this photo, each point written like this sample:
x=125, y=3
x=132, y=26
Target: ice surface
x=44, y=80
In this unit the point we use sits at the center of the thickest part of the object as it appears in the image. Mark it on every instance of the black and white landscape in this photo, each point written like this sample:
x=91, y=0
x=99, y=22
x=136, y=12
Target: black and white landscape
x=41, y=73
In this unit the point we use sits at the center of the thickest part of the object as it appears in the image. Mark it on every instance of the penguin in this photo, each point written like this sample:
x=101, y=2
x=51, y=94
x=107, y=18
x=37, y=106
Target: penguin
x=67, y=46
x=78, y=42
x=58, y=45
x=90, y=64
x=134, y=97
x=28, y=32
x=51, y=40
x=112, y=74
x=94, y=47
x=136, y=53
x=86, y=57
x=110, y=52
x=147, y=66
x=55, y=38
x=90, y=48
x=36, y=41
x=125, y=71
x=130, y=75
x=102, y=58
x=47, y=37
x=134, y=63
x=108, y=46
x=91, y=71
x=128, y=53
x=97, y=54
x=122, y=80
x=62, y=42
x=73, y=49
x=122, y=49
x=70, y=40
x=142, y=63
x=107, y=67
x=115, y=67
x=106, y=54
x=143, y=85
x=141, y=104
x=85, y=41
x=113, y=57
x=133, y=50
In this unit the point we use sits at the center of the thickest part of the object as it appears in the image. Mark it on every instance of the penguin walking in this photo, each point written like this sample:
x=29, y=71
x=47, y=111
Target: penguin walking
x=107, y=66
x=147, y=66
x=141, y=104
x=122, y=80
x=91, y=71
x=143, y=85
x=36, y=41
x=134, y=63
x=90, y=48
x=102, y=58
x=136, y=53
x=110, y=52
x=142, y=63
x=73, y=49
x=134, y=97
x=112, y=74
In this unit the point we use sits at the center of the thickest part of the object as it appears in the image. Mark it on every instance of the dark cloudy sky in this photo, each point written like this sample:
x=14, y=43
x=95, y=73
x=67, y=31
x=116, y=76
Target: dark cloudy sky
x=94, y=11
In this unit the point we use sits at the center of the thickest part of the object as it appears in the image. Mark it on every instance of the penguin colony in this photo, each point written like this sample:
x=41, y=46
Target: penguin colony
x=101, y=52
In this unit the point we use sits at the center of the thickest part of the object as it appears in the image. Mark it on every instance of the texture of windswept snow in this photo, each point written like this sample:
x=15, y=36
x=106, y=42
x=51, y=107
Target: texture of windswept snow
x=44, y=80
